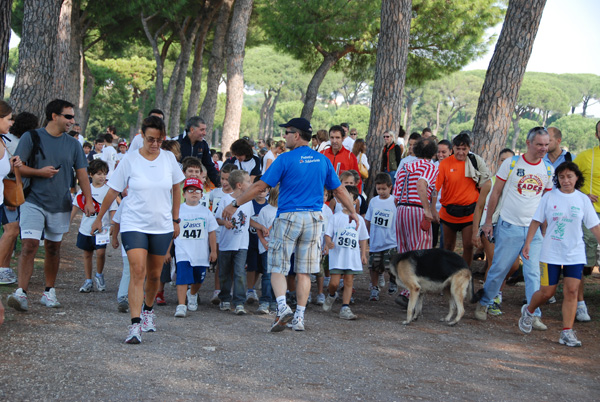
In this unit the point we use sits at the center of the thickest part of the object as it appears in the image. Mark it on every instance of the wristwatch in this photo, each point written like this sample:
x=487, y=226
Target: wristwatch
x=235, y=204
x=178, y=220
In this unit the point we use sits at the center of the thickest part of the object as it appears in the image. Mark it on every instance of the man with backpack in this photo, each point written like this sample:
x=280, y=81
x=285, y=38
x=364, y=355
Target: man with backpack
x=521, y=183
x=50, y=155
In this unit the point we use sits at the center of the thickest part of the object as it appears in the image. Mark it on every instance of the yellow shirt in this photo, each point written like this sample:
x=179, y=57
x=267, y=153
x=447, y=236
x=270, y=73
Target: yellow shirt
x=589, y=164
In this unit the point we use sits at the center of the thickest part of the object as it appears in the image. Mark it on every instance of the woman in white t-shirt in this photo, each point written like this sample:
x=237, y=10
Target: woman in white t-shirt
x=276, y=148
x=563, y=250
x=150, y=218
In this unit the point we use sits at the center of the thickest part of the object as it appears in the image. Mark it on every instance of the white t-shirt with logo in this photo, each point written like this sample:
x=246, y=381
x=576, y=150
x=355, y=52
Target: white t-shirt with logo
x=149, y=205
x=238, y=237
x=523, y=190
x=109, y=155
x=266, y=217
x=192, y=244
x=98, y=194
x=563, y=243
x=345, y=237
x=382, y=215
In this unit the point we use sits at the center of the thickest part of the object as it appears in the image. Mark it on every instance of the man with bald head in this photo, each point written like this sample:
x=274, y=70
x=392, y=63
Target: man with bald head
x=556, y=155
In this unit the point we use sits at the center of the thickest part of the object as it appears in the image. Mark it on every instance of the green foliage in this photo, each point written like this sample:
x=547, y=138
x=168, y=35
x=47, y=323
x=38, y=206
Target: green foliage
x=13, y=60
x=355, y=115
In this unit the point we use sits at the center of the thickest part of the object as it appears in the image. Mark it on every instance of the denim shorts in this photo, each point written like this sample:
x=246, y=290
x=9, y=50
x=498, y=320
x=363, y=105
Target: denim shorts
x=155, y=244
x=299, y=233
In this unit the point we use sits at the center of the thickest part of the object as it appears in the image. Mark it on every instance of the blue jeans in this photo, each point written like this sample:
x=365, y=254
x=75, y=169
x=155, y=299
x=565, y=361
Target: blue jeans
x=233, y=263
x=266, y=295
x=510, y=240
x=124, y=284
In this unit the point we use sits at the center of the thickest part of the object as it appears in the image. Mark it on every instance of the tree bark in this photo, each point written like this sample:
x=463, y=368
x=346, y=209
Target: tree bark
x=158, y=58
x=269, y=131
x=504, y=77
x=215, y=67
x=329, y=60
x=264, y=109
x=35, y=75
x=236, y=42
x=5, y=14
x=87, y=91
x=208, y=14
x=409, y=106
x=186, y=51
x=62, y=61
x=390, y=74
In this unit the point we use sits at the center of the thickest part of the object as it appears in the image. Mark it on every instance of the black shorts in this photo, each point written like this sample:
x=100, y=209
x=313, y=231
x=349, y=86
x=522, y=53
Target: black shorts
x=155, y=244
x=456, y=227
x=88, y=243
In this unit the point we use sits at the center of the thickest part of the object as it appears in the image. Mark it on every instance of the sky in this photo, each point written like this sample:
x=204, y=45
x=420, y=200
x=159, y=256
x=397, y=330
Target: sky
x=566, y=41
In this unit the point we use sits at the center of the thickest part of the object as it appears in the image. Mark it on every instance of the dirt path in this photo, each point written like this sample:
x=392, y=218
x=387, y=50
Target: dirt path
x=77, y=352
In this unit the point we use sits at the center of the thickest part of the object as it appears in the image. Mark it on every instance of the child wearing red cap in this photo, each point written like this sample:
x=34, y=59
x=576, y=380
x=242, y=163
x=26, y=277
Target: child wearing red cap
x=195, y=247
x=97, y=170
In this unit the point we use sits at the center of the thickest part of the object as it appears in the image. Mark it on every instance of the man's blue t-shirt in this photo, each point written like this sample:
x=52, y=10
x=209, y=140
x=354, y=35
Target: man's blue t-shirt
x=302, y=174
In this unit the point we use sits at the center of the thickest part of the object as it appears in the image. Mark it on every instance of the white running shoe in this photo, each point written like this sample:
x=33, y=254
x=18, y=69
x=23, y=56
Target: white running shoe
x=7, y=276
x=240, y=310
x=181, y=311
x=582, y=314
x=135, y=334
x=49, y=299
x=381, y=282
x=320, y=299
x=526, y=320
x=347, y=314
x=87, y=287
x=567, y=337
x=251, y=296
x=100, y=283
x=192, y=301
x=298, y=324
x=18, y=300
x=329, y=302
x=215, y=297
x=148, y=321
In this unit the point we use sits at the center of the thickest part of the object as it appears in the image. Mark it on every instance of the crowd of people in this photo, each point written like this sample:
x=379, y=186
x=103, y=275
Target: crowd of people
x=275, y=216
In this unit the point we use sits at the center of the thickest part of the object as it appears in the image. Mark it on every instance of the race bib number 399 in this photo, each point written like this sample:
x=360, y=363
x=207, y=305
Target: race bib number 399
x=193, y=229
x=383, y=218
x=347, y=238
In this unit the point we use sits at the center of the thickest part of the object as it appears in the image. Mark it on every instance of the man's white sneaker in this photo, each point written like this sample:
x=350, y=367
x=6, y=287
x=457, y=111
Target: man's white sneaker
x=251, y=296
x=7, y=276
x=181, y=311
x=263, y=308
x=135, y=334
x=329, y=302
x=298, y=324
x=100, y=283
x=282, y=319
x=538, y=324
x=582, y=314
x=347, y=314
x=148, y=321
x=18, y=300
x=567, y=337
x=49, y=299
x=240, y=310
x=192, y=301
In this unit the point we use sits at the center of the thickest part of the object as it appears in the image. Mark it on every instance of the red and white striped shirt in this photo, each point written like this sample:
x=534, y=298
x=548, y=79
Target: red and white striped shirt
x=405, y=189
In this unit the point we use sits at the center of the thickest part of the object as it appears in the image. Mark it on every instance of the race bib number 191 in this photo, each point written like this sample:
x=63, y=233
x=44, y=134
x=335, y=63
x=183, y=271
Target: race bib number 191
x=383, y=218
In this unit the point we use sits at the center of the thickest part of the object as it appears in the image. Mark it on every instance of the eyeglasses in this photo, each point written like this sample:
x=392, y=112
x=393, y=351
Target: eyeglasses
x=153, y=140
x=353, y=135
x=194, y=190
x=290, y=132
x=68, y=116
x=386, y=136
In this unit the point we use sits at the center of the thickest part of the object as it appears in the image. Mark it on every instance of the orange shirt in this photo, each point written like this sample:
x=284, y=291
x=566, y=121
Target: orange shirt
x=456, y=188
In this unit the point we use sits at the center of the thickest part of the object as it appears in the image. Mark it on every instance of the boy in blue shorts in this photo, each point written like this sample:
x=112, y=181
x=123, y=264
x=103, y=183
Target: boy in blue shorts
x=348, y=252
x=381, y=224
x=195, y=247
x=97, y=171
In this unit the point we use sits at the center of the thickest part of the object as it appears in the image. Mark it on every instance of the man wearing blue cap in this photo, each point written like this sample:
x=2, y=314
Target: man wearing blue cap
x=302, y=175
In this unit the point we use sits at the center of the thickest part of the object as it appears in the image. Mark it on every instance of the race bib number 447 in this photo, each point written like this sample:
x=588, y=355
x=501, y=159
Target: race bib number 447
x=193, y=229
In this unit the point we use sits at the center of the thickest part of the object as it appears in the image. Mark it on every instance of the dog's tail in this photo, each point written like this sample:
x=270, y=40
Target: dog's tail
x=475, y=297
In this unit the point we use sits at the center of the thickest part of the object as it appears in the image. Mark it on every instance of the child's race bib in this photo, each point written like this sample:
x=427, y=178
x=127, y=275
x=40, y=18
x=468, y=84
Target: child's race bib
x=347, y=238
x=193, y=229
x=383, y=218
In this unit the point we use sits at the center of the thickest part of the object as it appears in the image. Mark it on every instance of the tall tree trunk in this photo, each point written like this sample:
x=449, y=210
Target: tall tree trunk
x=390, y=74
x=208, y=14
x=329, y=60
x=504, y=77
x=236, y=42
x=5, y=14
x=75, y=88
x=262, y=128
x=87, y=93
x=158, y=58
x=447, y=126
x=62, y=60
x=437, y=118
x=584, y=105
x=187, y=42
x=409, y=106
x=270, y=116
x=517, y=131
x=35, y=75
x=215, y=67
x=133, y=130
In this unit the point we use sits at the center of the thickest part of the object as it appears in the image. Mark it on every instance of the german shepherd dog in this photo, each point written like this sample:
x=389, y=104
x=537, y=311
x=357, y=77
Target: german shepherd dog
x=433, y=270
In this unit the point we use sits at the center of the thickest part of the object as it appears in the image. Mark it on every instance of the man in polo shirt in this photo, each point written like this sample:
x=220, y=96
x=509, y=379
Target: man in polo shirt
x=302, y=174
x=556, y=155
x=340, y=157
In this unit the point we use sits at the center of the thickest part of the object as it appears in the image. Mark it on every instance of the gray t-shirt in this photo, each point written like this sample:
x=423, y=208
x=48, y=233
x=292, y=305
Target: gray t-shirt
x=52, y=194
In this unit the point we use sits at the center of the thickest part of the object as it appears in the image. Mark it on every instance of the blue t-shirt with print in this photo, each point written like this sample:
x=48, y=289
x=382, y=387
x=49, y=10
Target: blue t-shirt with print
x=302, y=174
